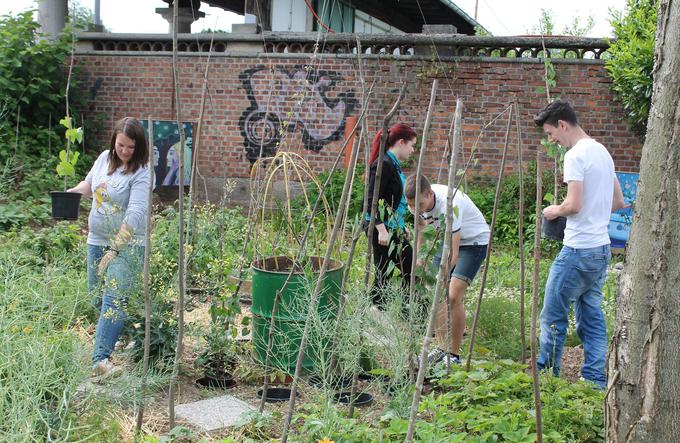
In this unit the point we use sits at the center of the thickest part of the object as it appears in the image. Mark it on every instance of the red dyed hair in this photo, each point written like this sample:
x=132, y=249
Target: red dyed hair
x=394, y=134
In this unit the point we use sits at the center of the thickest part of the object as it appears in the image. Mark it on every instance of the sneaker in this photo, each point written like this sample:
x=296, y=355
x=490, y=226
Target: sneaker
x=436, y=355
x=442, y=357
x=105, y=369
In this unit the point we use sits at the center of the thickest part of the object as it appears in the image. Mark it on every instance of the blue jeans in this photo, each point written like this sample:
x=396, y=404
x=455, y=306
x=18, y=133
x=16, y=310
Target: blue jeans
x=110, y=293
x=576, y=276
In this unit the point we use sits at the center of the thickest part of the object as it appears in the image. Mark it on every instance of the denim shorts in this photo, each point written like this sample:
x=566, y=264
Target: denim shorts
x=470, y=258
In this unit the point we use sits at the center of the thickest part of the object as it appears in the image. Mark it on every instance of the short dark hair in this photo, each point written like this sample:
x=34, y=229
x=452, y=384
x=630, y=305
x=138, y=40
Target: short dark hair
x=410, y=186
x=556, y=111
x=133, y=129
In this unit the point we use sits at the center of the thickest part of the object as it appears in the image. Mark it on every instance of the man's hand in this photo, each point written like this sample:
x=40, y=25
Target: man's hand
x=551, y=212
x=106, y=259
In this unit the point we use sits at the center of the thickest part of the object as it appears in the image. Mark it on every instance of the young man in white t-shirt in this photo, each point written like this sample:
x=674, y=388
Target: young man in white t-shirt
x=468, y=249
x=579, y=271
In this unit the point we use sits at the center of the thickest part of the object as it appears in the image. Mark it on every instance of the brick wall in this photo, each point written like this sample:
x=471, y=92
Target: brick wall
x=141, y=86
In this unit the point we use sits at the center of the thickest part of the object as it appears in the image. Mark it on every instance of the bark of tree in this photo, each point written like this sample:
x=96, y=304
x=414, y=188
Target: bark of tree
x=644, y=388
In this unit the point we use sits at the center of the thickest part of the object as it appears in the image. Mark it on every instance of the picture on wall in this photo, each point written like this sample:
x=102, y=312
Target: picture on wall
x=166, y=151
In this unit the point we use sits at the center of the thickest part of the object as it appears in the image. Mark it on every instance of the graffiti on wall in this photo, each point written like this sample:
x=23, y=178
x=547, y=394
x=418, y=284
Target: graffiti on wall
x=166, y=151
x=289, y=100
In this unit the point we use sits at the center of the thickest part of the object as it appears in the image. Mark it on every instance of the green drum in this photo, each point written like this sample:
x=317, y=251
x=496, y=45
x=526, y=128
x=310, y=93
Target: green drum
x=269, y=276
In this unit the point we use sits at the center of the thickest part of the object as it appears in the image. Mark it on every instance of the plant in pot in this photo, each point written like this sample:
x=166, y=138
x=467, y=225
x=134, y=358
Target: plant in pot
x=554, y=229
x=66, y=205
x=218, y=359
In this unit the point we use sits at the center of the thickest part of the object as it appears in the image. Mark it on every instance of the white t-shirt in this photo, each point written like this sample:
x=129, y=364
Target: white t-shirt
x=590, y=163
x=470, y=221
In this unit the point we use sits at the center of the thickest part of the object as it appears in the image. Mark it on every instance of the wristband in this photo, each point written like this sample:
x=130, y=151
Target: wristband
x=110, y=249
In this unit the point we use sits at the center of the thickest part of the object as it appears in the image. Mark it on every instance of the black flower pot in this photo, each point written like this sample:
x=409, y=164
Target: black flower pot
x=221, y=381
x=65, y=205
x=276, y=394
x=363, y=399
x=332, y=381
x=553, y=229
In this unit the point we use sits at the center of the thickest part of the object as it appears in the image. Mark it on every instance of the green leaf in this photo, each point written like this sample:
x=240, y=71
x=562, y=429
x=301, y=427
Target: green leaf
x=65, y=170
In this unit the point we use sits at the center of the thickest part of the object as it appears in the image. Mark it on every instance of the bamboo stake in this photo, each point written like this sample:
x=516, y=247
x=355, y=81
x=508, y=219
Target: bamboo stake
x=378, y=177
x=419, y=169
x=534, y=297
x=181, y=258
x=299, y=256
x=490, y=245
x=147, y=298
x=313, y=304
x=441, y=277
x=520, y=235
x=197, y=135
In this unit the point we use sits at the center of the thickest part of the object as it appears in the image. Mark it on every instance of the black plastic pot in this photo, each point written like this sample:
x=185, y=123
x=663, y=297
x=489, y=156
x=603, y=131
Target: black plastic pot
x=332, y=381
x=65, y=205
x=553, y=229
x=363, y=399
x=224, y=381
x=276, y=394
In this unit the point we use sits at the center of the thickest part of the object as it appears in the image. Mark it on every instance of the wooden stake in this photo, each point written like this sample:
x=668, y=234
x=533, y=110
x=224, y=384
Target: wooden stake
x=147, y=297
x=490, y=245
x=441, y=276
x=378, y=177
x=520, y=235
x=181, y=259
x=535, y=295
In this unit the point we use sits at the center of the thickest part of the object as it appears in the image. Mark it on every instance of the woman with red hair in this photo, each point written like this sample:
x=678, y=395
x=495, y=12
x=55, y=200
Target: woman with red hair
x=389, y=238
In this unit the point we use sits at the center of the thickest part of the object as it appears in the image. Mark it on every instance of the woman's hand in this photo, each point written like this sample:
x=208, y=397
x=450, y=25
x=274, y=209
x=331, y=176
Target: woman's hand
x=106, y=259
x=383, y=235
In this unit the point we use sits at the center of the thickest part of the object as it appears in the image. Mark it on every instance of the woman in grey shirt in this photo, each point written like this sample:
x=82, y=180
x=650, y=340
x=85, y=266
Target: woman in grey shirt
x=119, y=186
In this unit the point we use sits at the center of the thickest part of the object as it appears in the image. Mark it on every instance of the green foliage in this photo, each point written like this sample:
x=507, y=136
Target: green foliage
x=32, y=74
x=492, y=402
x=631, y=60
x=333, y=192
x=507, y=215
x=68, y=158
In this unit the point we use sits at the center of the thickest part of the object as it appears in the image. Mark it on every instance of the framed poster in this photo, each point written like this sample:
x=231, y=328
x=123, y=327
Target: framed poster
x=166, y=151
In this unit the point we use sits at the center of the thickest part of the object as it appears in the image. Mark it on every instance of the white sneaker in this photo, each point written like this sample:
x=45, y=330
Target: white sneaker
x=104, y=369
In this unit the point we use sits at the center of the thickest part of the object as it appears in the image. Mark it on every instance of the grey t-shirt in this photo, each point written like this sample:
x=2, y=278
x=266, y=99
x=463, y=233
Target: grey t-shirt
x=116, y=199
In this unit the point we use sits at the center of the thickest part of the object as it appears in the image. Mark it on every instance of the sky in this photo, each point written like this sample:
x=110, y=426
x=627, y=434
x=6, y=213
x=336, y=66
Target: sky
x=500, y=17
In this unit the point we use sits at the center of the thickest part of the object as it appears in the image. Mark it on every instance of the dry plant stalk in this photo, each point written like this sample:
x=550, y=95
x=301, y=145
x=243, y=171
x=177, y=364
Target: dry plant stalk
x=534, y=297
x=520, y=235
x=147, y=296
x=441, y=275
x=419, y=169
x=314, y=299
x=487, y=260
x=300, y=254
x=181, y=258
x=378, y=178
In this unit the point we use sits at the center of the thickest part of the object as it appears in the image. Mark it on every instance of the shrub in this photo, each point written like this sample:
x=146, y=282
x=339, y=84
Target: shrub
x=631, y=60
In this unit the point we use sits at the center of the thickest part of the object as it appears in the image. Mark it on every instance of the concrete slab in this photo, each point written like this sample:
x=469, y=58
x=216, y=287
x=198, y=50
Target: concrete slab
x=214, y=413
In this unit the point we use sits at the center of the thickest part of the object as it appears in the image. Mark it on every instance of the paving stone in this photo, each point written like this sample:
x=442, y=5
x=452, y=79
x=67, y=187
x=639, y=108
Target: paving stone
x=214, y=413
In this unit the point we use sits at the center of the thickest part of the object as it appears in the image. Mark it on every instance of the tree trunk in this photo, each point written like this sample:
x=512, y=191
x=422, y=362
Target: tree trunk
x=644, y=388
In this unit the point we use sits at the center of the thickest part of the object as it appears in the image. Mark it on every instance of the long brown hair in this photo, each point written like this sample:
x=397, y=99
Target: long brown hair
x=134, y=130
x=394, y=134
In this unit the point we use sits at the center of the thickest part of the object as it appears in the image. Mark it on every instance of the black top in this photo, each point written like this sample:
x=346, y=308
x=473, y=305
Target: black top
x=391, y=188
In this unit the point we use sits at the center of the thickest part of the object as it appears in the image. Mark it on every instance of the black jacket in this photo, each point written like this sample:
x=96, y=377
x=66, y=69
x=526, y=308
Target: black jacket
x=391, y=188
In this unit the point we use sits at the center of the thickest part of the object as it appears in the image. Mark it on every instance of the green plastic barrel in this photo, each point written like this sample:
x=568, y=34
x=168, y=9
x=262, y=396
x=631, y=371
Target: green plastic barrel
x=269, y=276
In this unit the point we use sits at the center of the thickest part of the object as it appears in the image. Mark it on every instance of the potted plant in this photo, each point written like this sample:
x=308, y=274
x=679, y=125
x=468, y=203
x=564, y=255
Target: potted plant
x=218, y=359
x=66, y=205
x=554, y=229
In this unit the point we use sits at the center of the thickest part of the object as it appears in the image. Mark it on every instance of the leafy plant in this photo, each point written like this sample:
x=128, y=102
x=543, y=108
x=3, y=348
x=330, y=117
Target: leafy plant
x=67, y=157
x=631, y=59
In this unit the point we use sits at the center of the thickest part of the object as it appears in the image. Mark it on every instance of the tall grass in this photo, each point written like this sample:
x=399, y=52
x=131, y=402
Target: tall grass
x=41, y=359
